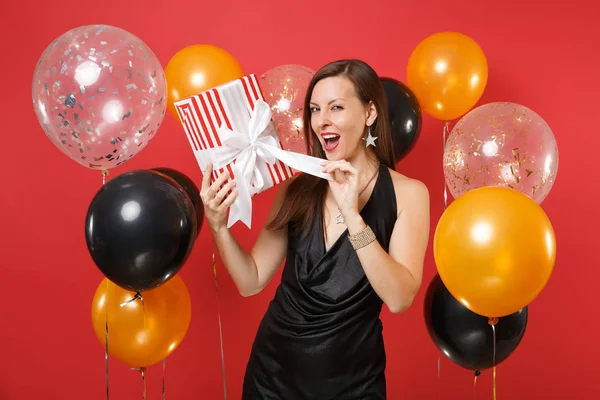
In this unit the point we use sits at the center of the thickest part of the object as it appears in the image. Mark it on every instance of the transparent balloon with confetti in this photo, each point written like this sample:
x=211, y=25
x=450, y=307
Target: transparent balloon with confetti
x=284, y=89
x=501, y=144
x=99, y=94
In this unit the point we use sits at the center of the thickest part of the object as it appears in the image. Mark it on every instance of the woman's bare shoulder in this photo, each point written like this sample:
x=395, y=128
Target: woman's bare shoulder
x=410, y=192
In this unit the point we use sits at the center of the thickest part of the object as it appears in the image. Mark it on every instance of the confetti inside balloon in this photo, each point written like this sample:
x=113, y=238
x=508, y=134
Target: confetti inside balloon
x=284, y=88
x=501, y=144
x=99, y=94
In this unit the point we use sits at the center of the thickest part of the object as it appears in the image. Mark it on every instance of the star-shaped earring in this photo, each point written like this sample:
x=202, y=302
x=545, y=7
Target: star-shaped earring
x=371, y=139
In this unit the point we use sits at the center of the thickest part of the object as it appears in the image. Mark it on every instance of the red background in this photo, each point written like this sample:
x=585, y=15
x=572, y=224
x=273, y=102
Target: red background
x=540, y=55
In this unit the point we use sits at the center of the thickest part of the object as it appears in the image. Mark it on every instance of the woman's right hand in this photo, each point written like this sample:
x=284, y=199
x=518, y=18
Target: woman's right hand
x=217, y=198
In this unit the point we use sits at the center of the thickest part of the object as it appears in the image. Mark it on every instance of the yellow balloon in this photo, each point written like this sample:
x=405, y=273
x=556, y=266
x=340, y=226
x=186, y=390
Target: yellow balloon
x=448, y=73
x=494, y=248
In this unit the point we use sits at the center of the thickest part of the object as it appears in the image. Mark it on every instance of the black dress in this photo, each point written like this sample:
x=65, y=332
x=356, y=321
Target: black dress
x=321, y=337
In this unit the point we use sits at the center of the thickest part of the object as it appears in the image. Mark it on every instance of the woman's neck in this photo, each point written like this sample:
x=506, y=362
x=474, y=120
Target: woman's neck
x=366, y=164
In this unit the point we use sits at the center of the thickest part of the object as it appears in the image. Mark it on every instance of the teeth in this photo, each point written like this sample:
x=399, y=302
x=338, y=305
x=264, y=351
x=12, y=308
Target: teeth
x=330, y=136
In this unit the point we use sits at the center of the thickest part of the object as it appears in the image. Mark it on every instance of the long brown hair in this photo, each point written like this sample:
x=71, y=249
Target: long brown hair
x=306, y=193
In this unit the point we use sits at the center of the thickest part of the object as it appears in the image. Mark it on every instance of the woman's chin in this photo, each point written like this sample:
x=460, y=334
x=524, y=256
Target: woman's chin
x=340, y=154
x=334, y=157
x=335, y=154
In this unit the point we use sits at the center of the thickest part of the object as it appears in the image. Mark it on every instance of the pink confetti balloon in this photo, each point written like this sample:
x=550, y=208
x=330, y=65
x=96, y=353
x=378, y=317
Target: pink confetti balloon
x=284, y=88
x=99, y=93
x=501, y=144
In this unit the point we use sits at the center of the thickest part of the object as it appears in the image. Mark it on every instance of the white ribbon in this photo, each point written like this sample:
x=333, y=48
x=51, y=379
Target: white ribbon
x=257, y=144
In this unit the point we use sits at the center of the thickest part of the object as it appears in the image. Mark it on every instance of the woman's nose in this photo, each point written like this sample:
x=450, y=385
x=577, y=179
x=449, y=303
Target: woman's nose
x=324, y=120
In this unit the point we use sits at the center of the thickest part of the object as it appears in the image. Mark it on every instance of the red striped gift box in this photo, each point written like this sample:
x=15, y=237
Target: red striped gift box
x=230, y=104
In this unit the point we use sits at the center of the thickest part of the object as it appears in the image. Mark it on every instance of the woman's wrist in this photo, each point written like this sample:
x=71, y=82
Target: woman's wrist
x=219, y=231
x=355, y=223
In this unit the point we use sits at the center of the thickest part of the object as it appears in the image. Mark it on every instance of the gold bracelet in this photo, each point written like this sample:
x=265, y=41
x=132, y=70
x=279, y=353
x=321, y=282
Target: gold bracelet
x=362, y=238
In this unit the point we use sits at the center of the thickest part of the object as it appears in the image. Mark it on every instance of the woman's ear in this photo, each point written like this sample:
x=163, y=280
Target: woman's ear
x=371, y=113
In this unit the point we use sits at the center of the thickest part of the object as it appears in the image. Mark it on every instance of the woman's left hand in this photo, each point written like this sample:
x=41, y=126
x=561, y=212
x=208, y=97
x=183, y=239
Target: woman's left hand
x=344, y=186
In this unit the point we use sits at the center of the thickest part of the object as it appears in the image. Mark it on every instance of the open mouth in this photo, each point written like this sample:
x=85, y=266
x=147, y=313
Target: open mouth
x=331, y=141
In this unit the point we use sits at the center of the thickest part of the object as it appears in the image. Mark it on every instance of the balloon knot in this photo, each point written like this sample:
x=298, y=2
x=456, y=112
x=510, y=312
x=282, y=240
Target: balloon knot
x=477, y=373
x=493, y=321
x=138, y=296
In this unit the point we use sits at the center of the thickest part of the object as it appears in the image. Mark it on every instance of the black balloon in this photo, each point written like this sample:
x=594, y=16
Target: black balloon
x=191, y=189
x=404, y=114
x=140, y=229
x=467, y=338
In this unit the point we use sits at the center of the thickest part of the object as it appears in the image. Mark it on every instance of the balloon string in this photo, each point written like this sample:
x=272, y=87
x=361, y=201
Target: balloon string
x=439, y=379
x=142, y=371
x=477, y=373
x=493, y=322
x=106, y=344
x=214, y=261
x=104, y=175
x=164, y=364
x=444, y=138
x=494, y=382
x=144, y=312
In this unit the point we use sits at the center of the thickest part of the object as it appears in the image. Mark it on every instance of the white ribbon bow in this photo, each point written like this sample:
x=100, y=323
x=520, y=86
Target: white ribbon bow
x=256, y=144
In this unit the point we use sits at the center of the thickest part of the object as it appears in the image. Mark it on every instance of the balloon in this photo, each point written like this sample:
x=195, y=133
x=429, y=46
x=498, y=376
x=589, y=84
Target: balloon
x=197, y=68
x=466, y=338
x=495, y=249
x=99, y=93
x=190, y=189
x=448, y=72
x=284, y=89
x=140, y=229
x=142, y=332
x=404, y=114
x=501, y=144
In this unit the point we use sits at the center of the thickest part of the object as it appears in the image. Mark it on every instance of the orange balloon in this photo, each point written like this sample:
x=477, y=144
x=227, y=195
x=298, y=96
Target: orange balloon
x=448, y=72
x=197, y=68
x=494, y=249
x=142, y=333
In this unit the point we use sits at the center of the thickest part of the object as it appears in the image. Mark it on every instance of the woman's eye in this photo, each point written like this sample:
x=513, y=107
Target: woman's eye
x=314, y=109
x=337, y=108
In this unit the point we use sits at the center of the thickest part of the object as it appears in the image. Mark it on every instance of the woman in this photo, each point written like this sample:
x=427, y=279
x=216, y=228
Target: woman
x=350, y=244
